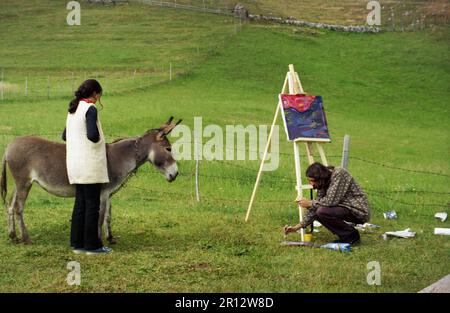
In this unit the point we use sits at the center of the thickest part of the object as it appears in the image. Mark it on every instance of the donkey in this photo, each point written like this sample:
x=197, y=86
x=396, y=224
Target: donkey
x=34, y=159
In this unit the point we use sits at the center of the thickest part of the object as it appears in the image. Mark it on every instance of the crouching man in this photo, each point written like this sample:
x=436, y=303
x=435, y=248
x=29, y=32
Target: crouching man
x=339, y=200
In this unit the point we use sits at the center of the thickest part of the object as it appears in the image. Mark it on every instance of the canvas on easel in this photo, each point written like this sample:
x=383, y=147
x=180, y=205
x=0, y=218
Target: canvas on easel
x=303, y=116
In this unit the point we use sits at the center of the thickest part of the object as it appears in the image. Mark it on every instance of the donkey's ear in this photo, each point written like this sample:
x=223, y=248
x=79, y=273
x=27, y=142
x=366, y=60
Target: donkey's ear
x=160, y=135
x=172, y=126
x=166, y=126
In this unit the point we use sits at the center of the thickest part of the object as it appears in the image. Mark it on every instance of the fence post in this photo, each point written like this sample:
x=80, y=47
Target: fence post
x=197, y=193
x=345, y=150
x=106, y=82
x=150, y=73
x=26, y=86
x=73, y=82
x=48, y=87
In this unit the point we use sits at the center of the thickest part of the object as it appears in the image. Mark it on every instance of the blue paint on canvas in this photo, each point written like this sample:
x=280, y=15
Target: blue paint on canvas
x=304, y=117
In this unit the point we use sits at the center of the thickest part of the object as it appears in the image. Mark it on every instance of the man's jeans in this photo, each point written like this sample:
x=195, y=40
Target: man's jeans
x=333, y=219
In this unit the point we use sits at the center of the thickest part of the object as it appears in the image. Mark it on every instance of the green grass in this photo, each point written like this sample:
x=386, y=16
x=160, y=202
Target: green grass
x=128, y=46
x=388, y=91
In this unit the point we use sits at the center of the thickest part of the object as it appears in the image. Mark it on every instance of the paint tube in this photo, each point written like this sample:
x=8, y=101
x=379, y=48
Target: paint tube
x=343, y=247
x=390, y=215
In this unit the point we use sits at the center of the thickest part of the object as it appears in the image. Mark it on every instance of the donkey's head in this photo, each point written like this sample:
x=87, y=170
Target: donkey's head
x=160, y=150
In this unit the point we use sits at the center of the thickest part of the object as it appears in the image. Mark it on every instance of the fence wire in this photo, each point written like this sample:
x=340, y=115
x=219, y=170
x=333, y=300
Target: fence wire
x=373, y=193
x=284, y=202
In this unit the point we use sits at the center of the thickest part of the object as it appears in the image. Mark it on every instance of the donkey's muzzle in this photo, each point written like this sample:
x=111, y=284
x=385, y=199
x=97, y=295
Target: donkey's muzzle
x=172, y=177
x=171, y=172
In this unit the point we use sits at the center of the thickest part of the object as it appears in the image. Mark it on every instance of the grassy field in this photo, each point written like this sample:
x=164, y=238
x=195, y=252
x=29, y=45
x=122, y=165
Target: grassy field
x=395, y=14
x=43, y=50
x=388, y=91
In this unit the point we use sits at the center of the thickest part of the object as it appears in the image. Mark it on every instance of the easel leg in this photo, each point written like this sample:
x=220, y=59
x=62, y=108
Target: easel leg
x=258, y=177
x=309, y=152
x=299, y=186
x=322, y=154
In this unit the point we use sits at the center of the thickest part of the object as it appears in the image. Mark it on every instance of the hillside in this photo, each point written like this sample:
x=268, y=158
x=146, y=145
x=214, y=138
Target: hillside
x=395, y=14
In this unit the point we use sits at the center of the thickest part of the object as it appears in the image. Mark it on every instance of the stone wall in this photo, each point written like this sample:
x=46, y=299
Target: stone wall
x=291, y=21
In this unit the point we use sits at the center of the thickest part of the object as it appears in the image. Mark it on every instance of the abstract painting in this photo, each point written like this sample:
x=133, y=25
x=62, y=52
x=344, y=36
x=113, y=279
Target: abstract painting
x=304, y=116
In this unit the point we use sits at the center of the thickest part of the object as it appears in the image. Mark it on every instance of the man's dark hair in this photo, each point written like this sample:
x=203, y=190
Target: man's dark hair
x=321, y=174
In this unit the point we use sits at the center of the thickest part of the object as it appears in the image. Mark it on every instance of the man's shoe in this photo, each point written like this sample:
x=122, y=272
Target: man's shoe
x=102, y=250
x=79, y=250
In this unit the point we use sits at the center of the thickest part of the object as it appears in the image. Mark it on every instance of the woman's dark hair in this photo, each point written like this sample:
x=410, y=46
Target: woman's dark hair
x=86, y=89
x=321, y=174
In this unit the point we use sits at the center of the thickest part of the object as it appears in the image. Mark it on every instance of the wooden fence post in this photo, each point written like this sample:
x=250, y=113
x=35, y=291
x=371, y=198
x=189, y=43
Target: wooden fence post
x=197, y=192
x=1, y=86
x=345, y=150
x=73, y=83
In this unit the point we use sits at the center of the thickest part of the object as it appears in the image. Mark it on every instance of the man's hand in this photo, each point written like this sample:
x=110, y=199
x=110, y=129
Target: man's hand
x=305, y=203
x=291, y=229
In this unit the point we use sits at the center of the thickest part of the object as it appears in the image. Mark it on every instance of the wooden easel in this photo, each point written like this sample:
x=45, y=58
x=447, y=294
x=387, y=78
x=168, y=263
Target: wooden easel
x=292, y=84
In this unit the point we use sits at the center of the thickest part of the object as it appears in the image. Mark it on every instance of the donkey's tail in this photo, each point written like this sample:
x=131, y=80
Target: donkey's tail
x=3, y=185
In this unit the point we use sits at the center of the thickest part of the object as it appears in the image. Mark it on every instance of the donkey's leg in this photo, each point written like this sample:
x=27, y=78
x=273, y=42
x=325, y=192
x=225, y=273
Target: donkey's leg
x=11, y=223
x=101, y=215
x=108, y=232
x=19, y=204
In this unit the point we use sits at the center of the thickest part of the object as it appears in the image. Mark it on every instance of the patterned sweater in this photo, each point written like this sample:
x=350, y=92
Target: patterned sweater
x=344, y=192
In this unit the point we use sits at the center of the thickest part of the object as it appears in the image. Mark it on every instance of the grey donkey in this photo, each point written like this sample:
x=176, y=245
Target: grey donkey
x=34, y=159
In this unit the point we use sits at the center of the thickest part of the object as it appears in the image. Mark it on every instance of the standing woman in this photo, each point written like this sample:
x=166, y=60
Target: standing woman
x=86, y=167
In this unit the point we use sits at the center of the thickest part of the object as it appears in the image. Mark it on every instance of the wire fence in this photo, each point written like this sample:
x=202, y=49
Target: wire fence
x=396, y=15
x=203, y=6
x=62, y=84
x=282, y=202
x=415, y=15
x=276, y=179
x=356, y=158
x=378, y=194
x=30, y=85
x=368, y=162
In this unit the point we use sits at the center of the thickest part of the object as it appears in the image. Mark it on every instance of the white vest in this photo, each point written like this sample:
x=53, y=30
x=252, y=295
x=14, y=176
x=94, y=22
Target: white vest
x=86, y=161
